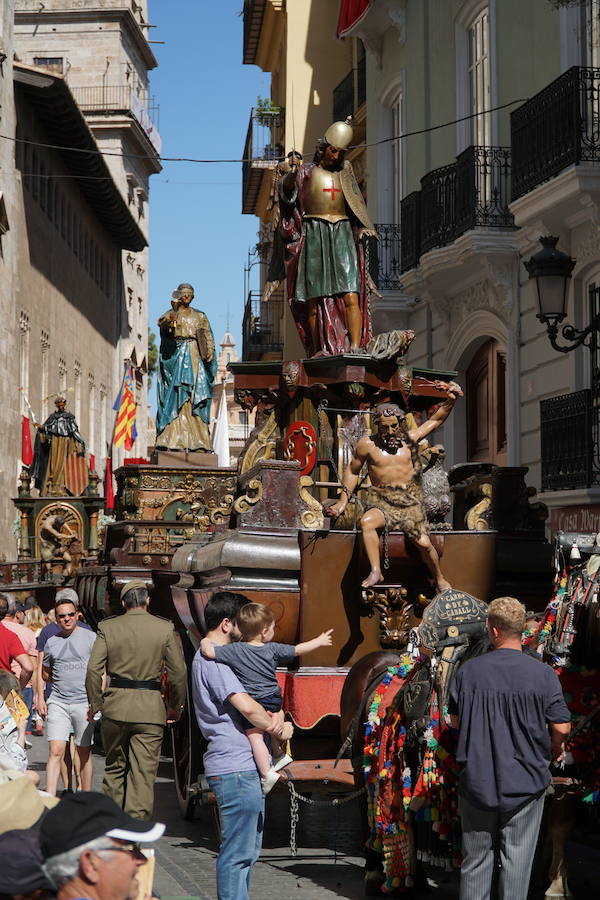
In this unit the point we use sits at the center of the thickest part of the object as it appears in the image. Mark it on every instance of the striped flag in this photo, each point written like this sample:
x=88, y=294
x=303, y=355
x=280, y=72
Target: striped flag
x=125, y=428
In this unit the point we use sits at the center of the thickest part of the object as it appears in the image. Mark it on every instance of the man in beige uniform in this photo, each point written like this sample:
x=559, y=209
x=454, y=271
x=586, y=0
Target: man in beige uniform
x=133, y=649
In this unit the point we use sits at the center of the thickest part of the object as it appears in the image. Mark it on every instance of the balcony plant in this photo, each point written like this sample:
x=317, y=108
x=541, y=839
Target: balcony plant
x=265, y=111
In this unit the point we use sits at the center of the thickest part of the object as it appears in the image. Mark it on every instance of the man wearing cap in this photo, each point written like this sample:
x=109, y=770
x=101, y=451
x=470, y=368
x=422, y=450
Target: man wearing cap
x=91, y=848
x=133, y=650
x=323, y=218
x=66, y=656
x=21, y=874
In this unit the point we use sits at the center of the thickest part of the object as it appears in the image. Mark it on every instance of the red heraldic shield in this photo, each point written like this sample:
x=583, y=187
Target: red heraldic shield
x=300, y=443
x=76, y=474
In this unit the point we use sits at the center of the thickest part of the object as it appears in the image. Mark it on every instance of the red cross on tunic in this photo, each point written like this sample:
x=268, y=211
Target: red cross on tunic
x=332, y=190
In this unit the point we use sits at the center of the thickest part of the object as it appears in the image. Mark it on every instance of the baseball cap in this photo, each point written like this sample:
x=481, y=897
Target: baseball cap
x=21, y=863
x=82, y=817
x=22, y=804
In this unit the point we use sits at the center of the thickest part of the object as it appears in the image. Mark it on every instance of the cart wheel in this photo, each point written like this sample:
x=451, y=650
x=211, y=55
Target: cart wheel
x=186, y=762
x=188, y=745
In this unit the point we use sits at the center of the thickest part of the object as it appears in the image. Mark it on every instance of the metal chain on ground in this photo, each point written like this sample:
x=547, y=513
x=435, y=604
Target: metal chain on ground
x=294, y=817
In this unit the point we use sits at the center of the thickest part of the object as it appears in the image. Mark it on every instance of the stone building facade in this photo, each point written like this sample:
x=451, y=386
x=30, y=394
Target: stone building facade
x=101, y=50
x=65, y=226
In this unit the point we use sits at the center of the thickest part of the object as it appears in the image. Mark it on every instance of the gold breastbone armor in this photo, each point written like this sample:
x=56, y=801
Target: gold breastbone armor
x=325, y=197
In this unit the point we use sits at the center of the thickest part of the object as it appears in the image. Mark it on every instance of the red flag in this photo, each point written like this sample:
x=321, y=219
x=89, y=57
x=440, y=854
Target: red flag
x=108, y=486
x=26, y=448
x=92, y=462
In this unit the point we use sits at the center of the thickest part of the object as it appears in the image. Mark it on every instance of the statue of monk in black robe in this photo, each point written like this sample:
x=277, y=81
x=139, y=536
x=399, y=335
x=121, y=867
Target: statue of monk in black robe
x=55, y=440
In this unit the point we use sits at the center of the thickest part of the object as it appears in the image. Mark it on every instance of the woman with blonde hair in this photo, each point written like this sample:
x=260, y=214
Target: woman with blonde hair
x=35, y=619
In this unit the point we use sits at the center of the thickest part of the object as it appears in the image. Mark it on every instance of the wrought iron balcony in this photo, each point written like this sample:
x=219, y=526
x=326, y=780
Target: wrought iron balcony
x=350, y=95
x=263, y=150
x=555, y=129
x=343, y=97
x=262, y=328
x=569, y=437
x=110, y=99
x=410, y=231
x=472, y=192
x=383, y=258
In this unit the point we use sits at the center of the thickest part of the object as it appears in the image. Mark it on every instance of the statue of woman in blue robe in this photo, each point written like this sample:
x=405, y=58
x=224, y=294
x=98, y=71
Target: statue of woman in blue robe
x=186, y=371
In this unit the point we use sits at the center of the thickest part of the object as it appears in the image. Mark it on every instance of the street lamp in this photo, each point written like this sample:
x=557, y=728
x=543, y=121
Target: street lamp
x=551, y=269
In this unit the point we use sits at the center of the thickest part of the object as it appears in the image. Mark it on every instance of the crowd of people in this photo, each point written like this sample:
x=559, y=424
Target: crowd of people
x=507, y=707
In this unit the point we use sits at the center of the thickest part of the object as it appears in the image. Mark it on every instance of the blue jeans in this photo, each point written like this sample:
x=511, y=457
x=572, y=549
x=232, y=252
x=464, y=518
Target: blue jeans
x=241, y=813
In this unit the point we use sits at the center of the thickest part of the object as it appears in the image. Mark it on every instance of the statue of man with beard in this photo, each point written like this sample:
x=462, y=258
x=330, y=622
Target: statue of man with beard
x=394, y=500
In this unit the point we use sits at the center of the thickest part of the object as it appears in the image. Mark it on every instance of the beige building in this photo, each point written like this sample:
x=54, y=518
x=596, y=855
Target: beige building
x=101, y=50
x=64, y=226
x=470, y=200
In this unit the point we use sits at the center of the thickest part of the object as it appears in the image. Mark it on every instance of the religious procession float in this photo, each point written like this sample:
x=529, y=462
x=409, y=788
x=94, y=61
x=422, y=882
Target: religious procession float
x=339, y=514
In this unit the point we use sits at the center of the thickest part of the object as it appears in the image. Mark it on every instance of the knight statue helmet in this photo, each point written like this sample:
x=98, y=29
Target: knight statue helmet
x=183, y=289
x=339, y=135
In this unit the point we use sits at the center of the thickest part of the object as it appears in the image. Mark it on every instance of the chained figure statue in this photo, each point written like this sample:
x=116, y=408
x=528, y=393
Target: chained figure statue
x=394, y=499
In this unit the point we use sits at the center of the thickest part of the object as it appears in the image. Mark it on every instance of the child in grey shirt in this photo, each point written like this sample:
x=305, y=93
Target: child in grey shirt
x=254, y=660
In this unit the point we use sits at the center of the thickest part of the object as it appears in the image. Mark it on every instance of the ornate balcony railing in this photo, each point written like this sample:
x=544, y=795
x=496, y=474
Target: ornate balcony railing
x=569, y=432
x=383, y=258
x=410, y=231
x=438, y=207
x=557, y=128
x=262, y=328
x=472, y=192
x=262, y=150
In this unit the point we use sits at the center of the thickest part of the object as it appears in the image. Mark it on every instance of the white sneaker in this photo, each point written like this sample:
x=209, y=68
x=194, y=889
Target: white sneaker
x=269, y=781
x=281, y=762
x=28, y=744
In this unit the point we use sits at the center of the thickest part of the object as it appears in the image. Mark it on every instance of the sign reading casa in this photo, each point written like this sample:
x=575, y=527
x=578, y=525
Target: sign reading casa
x=575, y=518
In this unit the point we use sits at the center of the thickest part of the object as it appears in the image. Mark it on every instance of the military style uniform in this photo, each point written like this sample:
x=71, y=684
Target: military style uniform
x=133, y=649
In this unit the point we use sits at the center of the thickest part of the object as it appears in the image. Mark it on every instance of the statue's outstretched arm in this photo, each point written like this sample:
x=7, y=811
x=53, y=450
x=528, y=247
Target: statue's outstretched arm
x=453, y=391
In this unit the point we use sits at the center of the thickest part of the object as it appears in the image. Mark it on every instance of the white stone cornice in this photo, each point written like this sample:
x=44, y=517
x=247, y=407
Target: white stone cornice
x=569, y=195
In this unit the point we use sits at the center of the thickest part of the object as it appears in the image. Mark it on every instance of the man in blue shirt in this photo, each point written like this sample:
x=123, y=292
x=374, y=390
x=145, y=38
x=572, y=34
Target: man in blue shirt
x=220, y=702
x=512, y=721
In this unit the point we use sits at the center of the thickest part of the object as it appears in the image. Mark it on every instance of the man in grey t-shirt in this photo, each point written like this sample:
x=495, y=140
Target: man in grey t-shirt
x=219, y=702
x=66, y=656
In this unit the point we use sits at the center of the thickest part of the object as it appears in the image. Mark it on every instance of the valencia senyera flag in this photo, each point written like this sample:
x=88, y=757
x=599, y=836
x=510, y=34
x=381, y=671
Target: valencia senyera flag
x=125, y=427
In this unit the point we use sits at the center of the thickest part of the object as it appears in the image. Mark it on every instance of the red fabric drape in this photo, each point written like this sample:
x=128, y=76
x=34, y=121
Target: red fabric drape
x=26, y=448
x=108, y=486
x=350, y=12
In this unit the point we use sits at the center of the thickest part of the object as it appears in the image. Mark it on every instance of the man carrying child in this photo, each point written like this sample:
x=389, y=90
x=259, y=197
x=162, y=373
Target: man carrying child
x=220, y=702
x=254, y=660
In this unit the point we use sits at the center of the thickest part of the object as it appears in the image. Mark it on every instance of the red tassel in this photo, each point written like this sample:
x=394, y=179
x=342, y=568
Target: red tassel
x=108, y=486
x=26, y=448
